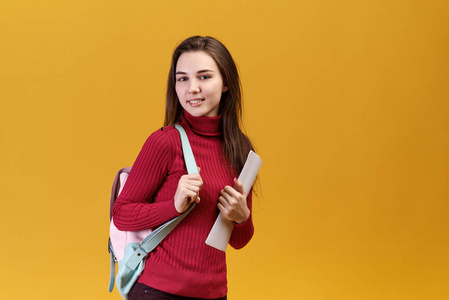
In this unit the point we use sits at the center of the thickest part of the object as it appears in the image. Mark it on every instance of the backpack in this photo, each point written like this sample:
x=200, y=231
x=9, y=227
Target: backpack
x=130, y=248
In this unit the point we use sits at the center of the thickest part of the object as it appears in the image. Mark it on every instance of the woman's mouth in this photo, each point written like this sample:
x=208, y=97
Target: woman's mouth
x=195, y=102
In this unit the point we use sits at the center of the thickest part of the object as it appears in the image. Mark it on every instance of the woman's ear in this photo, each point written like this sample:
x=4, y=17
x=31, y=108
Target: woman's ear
x=225, y=89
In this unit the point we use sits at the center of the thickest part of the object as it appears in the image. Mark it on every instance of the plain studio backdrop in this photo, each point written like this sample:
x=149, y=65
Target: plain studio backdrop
x=346, y=102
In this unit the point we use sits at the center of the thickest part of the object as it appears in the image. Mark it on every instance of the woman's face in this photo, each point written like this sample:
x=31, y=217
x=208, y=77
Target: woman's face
x=199, y=84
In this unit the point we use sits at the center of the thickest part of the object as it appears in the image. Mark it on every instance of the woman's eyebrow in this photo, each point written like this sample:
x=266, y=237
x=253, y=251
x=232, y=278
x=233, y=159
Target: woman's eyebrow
x=199, y=72
x=204, y=71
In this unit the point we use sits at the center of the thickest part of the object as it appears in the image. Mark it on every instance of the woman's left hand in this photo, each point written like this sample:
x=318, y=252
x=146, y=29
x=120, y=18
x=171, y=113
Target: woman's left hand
x=232, y=203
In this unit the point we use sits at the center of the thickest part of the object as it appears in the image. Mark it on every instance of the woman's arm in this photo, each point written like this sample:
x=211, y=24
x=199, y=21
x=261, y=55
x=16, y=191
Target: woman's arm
x=134, y=209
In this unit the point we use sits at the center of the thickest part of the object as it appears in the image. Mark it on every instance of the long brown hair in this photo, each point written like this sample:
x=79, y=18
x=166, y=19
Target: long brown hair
x=236, y=145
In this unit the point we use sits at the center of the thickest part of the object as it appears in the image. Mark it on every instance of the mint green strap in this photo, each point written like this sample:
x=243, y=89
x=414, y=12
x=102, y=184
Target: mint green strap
x=112, y=271
x=187, y=150
x=155, y=237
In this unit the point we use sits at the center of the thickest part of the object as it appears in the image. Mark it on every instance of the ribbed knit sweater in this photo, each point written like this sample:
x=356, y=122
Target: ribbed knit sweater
x=182, y=264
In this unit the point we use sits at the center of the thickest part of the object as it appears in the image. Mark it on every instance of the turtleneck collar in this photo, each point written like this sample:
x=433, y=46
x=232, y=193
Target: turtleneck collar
x=207, y=126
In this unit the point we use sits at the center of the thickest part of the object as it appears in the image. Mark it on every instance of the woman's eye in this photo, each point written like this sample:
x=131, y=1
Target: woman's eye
x=181, y=79
x=205, y=77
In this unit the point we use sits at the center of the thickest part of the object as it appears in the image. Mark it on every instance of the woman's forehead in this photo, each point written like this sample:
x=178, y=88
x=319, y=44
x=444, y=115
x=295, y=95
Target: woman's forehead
x=196, y=61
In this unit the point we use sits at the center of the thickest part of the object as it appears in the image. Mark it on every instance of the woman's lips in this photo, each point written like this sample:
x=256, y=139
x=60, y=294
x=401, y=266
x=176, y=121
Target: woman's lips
x=195, y=102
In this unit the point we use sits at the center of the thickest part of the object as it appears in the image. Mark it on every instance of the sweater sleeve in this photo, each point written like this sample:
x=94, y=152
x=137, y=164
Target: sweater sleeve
x=135, y=209
x=242, y=233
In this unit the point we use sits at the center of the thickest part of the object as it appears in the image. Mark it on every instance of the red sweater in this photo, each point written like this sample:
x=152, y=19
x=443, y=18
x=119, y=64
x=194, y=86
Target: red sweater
x=182, y=264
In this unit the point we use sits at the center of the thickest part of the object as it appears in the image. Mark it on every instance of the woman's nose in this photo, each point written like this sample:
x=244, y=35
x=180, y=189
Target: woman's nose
x=194, y=87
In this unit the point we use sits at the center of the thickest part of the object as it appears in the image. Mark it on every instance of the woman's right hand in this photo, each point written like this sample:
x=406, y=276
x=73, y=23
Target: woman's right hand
x=187, y=192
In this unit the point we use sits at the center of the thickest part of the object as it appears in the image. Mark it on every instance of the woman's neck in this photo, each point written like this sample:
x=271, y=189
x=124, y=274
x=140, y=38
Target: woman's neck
x=207, y=126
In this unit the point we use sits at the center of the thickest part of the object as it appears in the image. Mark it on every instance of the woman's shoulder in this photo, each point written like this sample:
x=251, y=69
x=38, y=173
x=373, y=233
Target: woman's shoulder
x=164, y=137
x=165, y=133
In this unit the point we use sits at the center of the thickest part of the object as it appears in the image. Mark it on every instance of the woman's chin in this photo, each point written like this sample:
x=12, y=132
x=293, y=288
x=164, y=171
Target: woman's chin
x=201, y=110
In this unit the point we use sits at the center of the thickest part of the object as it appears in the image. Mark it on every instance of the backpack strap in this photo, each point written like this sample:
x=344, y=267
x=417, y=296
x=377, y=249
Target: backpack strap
x=187, y=151
x=115, y=189
x=154, y=238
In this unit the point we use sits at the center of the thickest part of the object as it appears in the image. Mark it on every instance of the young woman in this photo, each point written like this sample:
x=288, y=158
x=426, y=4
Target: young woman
x=204, y=96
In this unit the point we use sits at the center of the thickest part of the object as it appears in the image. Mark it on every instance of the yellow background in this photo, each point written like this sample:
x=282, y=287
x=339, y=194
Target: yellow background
x=346, y=102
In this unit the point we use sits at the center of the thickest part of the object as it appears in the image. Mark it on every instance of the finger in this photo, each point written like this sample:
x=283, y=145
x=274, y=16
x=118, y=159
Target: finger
x=194, y=178
x=185, y=182
x=226, y=196
x=190, y=195
x=227, y=202
x=194, y=183
x=193, y=188
x=239, y=186
x=191, y=177
x=232, y=192
x=224, y=211
x=221, y=208
x=222, y=200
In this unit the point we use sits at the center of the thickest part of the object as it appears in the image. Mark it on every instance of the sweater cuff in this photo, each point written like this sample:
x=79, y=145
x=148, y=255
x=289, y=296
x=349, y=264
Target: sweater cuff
x=167, y=211
x=244, y=224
